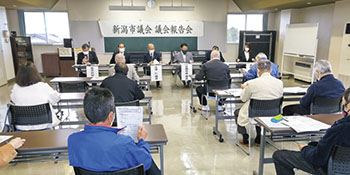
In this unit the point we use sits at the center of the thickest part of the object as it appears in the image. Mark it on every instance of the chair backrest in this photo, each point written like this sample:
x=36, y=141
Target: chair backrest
x=30, y=115
x=218, y=84
x=264, y=108
x=325, y=105
x=339, y=161
x=138, y=170
x=73, y=87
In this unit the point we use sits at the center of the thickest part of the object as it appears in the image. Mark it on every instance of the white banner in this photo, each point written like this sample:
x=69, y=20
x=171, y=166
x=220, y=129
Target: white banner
x=186, y=71
x=156, y=73
x=92, y=71
x=151, y=29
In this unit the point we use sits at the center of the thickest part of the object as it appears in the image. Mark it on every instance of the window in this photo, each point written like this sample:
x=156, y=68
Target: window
x=46, y=27
x=238, y=22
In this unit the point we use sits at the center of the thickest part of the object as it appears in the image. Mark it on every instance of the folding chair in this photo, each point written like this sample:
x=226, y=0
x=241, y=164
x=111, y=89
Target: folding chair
x=325, y=105
x=260, y=108
x=339, y=161
x=29, y=115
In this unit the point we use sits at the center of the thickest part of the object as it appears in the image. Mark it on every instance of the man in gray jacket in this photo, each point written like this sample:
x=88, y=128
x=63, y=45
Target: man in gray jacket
x=132, y=74
x=183, y=57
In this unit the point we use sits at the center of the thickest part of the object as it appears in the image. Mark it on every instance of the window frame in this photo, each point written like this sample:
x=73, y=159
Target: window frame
x=44, y=11
x=264, y=22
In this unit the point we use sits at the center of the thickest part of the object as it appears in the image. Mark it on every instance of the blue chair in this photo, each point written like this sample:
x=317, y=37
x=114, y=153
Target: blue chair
x=339, y=161
x=325, y=105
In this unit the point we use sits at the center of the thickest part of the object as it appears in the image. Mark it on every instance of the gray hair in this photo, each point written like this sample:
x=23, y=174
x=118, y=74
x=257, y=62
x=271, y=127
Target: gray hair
x=215, y=54
x=261, y=55
x=264, y=66
x=119, y=58
x=323, y=67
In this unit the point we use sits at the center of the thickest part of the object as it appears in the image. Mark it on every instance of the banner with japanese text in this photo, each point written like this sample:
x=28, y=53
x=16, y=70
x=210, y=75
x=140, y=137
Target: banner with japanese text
x=151, y=29
x=186, y=71
x=156, y=73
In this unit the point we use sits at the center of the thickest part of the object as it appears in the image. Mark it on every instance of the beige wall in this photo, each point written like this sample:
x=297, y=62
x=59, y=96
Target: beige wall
x=6, y=46
x=93, y=10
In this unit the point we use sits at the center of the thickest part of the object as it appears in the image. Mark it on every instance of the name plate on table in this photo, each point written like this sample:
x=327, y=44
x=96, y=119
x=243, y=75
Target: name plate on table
x=156, y=73
x=130, y=117
x=186, y=71
x=92, y=71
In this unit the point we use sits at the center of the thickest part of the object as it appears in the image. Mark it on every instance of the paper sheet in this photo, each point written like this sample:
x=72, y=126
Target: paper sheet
x=156, y=73
x=270, y=124
x=92, y=71
x=304, y=124
x=3, y=138
x=186, y=71
x=132, y=118
x=294, y=90
x=98, y=78
x=235, y=92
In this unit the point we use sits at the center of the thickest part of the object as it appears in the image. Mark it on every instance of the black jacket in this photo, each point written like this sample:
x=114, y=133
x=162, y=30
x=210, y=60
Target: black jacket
x=92, y=58
x=338, y=134
x=123, y=89
x=214, y=70
x=242, y=58
x=147, y=57
x=207, y=57
x=127, y=58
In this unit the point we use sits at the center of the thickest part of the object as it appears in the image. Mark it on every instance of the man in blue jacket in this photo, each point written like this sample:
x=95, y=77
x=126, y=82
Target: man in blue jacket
x=313, y=158
x=252, y=73
x=99, y=147
x=327, y=86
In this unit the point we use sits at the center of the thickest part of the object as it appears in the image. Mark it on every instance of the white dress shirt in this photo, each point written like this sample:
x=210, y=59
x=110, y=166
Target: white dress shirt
x=36, y=94
x=246, y=54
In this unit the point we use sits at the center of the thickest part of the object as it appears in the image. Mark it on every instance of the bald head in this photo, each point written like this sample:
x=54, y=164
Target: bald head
x=215, y=54
x=119, y=58
x=150, y=46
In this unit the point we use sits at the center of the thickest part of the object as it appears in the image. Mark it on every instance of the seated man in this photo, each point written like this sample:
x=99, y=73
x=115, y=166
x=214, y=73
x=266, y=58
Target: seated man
x=86, y=57
x=265, y=87
x=123, y=89
x=149, y=58
x=121, y=50
x=99, y=147
x=208, y=54
x=212, y=70
x=132, y=74
x=183, y=57
x=327, y=86
x=253, y=71
x=313, y=158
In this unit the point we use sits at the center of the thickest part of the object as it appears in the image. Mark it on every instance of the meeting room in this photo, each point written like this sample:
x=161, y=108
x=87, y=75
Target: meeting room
x=174, y=87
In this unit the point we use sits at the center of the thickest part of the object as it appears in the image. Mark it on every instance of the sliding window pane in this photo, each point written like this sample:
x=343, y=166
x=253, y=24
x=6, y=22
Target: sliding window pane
x=57, y=26
x=35, y=27
x=255, y=22
x=235, y=23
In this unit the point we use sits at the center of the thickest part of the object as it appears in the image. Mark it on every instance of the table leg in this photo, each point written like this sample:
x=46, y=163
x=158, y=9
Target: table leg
x=262, y=151
x=161, y=159
x=149, y=112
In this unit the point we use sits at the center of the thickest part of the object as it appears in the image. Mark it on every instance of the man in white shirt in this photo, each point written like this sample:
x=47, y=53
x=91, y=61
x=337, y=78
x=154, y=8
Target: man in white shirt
x=132, y=74
x=265, y=87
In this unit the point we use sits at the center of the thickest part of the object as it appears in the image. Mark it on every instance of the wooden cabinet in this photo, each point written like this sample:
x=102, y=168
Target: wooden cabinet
x=66, y=68
x=51, y=64
x=21, y=50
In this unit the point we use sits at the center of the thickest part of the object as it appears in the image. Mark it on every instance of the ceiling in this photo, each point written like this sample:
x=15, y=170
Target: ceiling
x=28, y=4
x=277, y=5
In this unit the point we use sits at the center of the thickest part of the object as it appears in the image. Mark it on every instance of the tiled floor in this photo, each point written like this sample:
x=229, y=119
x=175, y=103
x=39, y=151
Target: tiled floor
x=192, y=147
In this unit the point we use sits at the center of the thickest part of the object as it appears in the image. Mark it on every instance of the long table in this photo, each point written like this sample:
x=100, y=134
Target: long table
x=236, y=78
x=76, y=97
x=81, y=68
x=51, y=145
x=289, y=134
x=231, y=99
x=144, y=81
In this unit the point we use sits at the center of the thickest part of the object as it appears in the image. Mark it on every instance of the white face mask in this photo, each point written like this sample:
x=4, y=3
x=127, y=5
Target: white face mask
x=122, y=50
x=112, y=121
x=246, y=49
x=151, y=51
x=85, y=53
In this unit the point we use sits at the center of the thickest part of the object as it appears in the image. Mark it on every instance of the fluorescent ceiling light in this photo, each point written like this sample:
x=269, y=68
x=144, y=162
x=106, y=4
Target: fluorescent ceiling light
x=176, y=8
x=126, y=8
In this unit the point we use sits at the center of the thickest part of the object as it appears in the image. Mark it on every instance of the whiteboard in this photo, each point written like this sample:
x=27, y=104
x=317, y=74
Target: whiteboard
x=301, y=39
